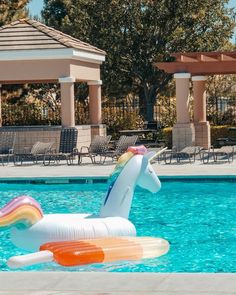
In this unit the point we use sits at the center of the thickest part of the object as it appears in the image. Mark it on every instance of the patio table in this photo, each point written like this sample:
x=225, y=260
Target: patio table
x=140, y=132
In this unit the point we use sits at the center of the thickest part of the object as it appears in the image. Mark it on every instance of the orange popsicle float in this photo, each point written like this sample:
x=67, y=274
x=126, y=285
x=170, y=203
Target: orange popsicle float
x=81, y=252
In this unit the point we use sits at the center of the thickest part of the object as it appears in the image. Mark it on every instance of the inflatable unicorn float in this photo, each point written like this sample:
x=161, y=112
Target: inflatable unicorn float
x=75, y=239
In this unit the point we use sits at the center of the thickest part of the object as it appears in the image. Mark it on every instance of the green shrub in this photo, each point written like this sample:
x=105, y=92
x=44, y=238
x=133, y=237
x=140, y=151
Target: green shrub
x=116, y=121
x=166, y=135
x=219, y=132
x=216, y=132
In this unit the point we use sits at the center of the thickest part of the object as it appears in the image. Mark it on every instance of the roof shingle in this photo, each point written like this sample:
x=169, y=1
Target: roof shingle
x=27, y=34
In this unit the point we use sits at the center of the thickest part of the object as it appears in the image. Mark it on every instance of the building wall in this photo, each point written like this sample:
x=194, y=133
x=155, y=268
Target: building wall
x=31, y=71
x=26, y=136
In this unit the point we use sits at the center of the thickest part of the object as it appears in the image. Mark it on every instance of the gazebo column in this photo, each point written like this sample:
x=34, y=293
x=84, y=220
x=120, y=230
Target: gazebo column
x=0, y=105
x=67, y=101
x=183, y=131
x=95, y=107
x=95, y=102
x=202, y=126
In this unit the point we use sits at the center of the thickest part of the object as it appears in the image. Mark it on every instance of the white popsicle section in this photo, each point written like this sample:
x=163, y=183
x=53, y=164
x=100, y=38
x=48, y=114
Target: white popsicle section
x=30, y=259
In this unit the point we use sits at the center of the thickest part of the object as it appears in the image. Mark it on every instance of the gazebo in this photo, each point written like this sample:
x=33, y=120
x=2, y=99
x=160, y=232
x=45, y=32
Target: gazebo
x=31, y=52
x=196, y=66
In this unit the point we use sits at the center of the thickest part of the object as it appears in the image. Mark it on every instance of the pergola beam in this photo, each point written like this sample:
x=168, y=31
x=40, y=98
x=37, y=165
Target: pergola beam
x=224, y=67
x=201, y=63
x=195, y=66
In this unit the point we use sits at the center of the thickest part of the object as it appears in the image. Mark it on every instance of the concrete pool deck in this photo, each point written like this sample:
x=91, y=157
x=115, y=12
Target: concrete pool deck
x=66, y=283
x=70, y=283
x=90, y=170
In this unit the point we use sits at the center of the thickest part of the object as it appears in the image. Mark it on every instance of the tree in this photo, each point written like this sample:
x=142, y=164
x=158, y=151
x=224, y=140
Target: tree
x=12, y=10
x=137, y=33
x=221, y=96
x=9, y=12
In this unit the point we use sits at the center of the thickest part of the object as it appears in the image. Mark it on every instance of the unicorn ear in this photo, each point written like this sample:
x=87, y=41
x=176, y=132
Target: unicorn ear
x=147, y=158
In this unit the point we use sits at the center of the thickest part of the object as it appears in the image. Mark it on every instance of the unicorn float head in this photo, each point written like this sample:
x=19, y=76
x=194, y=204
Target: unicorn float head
x=31, y=228
x=133, y=168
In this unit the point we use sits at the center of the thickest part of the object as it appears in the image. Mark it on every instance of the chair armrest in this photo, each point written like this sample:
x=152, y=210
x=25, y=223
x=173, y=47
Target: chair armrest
x=51, y=151
x=26, y=150
x=84, y=148
x=75, y=151
x=11, y=151
x=47, y=151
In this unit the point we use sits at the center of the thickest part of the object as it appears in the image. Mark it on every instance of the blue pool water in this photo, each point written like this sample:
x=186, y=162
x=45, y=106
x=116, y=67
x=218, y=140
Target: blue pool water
x=197, y=217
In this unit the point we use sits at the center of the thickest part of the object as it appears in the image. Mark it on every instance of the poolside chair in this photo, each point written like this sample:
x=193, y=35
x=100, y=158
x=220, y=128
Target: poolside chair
x=187, y=153
x=121, y=146
x=67, y=147
x=7, y=142
x=225, y=153
x=98, y=147
x=34, y=154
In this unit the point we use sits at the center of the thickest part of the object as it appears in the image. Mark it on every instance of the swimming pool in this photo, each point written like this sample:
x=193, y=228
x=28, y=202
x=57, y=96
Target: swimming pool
x=196, y=215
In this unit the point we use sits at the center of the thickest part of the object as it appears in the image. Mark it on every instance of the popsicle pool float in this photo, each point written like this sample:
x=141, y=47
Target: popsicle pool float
x=30, y=228
x=112, y=249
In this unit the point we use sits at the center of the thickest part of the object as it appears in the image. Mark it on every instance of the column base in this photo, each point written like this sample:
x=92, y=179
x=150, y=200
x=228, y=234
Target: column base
x=203, y=134
x=99, y=129
x=183, y=135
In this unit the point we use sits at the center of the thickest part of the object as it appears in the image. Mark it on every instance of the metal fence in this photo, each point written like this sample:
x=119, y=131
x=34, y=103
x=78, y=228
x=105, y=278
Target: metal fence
x=220, y=111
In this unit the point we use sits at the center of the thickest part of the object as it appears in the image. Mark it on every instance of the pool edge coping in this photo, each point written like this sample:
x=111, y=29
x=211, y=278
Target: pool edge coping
x=103, y=179
x=118, y=283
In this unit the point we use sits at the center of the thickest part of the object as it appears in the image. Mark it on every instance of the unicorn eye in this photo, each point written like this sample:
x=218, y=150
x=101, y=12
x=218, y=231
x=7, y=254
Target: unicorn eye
x=150, y=171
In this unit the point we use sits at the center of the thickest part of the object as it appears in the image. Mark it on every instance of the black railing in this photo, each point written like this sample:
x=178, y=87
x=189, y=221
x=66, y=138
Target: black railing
x=219, y=112
x=222, y=111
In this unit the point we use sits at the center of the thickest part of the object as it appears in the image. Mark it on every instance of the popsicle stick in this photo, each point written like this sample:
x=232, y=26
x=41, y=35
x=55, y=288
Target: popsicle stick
x=30, y=259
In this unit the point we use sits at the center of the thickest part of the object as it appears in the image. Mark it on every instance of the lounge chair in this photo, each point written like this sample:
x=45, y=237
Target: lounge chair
x=7, y=142
x=98, y=147
x=34, y=154
x=188, y=153
x=67, y=147
x=225, y=153
x=121, y=146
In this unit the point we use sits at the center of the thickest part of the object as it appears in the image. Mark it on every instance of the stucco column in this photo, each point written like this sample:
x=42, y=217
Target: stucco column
x=199, y=94
x=202, y=126
x=67, y=101
x=183, y=133
x=95, y=102
x=182, y=97
x=0, y=105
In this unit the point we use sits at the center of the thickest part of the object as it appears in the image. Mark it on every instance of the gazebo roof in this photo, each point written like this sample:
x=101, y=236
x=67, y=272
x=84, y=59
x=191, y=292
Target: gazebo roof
x=31, y=52
x=26, y=34
x=201, y=63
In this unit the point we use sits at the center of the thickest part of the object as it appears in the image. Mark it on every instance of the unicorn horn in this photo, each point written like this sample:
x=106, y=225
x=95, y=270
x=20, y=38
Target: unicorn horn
x=151, y=155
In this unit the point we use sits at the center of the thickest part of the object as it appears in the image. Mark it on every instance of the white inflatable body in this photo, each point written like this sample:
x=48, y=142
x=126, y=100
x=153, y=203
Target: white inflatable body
x=65, y=227
x=132, y=169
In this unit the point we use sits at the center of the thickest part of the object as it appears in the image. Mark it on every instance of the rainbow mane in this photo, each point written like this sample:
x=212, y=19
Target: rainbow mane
x=21, y=212
x=124, y=158
x=122, y=161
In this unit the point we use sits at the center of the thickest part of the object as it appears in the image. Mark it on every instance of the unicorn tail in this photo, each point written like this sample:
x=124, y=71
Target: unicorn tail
x=21, y=212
